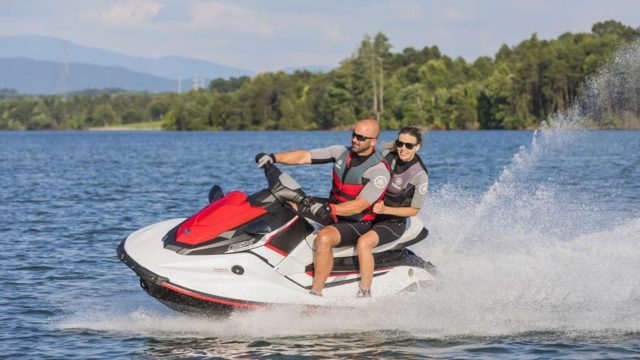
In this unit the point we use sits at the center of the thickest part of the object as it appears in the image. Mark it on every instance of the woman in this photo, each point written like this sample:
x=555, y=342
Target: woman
x=406, y=192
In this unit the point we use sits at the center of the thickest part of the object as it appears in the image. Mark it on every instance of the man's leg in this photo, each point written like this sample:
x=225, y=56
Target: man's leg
x=326, y=239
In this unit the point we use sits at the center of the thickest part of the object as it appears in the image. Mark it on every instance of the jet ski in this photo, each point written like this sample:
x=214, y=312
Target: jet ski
x=244, y=252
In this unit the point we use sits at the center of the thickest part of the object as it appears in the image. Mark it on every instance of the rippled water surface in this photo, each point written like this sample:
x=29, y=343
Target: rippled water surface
x=537, y=238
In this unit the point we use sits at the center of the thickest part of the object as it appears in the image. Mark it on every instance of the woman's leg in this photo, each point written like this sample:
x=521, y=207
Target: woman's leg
x=381, y=233
x=366, y=243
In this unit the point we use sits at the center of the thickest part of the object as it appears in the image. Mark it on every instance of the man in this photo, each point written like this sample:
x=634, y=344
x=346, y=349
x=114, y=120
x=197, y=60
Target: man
x=360, y=177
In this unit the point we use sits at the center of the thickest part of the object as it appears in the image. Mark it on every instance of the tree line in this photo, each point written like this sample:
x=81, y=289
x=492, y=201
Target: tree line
x=518, y=88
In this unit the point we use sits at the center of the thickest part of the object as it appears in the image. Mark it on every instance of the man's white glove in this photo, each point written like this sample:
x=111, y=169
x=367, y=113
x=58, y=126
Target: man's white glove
x=263, y=159
x=323, y=212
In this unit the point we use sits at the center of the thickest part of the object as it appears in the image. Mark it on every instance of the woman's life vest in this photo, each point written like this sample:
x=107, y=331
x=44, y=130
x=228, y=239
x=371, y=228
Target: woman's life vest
x=400, y=191
x=348, y=181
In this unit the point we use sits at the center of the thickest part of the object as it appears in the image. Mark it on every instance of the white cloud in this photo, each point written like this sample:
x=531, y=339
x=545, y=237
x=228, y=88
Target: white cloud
x=333, y=34
x=401, y=10
x=220, y=15
x=453, y=14
x=130, y=12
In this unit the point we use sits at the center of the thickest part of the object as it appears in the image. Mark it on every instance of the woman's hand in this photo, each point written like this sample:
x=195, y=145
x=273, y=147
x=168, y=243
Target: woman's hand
x=379, y=208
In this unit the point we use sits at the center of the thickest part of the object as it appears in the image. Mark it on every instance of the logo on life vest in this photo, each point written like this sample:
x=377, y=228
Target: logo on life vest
x=380, y=182
x=398, y=181
x=422, y=189
x=339, y=164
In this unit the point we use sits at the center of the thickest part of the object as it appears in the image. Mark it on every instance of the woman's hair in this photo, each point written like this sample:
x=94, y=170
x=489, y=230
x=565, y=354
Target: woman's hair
x=409, y=130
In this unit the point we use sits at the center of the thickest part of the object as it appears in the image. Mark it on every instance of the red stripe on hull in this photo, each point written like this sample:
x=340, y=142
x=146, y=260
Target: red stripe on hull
x=207, y=298
x=276, y=249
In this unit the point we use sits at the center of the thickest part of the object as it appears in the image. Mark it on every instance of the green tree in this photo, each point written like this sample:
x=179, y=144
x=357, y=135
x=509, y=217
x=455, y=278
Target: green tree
x=463, y=102
x=336, y=104
x=227, y=86
x=159, y=106
x=412, y=109
x=495, y=102
x=104, y=115
x=615, y=28
x=40, y=117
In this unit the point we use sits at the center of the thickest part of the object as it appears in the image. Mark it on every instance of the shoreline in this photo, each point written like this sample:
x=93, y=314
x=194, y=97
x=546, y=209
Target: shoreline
x=115, y=128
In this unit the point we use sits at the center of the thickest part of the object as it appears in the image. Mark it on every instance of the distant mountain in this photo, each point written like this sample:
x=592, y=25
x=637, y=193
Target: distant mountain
x=29, y=76
x=170, y=67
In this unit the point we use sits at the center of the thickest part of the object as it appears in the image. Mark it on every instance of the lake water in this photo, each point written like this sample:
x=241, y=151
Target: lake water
x=537, y=238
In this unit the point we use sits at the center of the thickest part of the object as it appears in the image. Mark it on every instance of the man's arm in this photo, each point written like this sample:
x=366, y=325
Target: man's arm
x=378, y=177
x=295, y=157
x=314, y=156
x=351, y=207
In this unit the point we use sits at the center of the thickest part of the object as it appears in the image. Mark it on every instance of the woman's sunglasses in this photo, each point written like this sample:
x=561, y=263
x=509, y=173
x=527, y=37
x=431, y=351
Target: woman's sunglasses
x=400, y=144
x=360, y=137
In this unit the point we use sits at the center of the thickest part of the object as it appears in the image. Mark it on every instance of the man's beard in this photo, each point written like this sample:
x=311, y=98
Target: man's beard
x=362, y=148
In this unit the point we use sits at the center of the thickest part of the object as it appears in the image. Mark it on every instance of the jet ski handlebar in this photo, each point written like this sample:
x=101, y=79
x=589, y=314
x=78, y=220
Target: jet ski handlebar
x=283, y=186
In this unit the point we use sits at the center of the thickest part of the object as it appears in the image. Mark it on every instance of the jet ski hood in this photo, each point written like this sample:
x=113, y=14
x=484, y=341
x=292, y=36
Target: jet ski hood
x=229, y=212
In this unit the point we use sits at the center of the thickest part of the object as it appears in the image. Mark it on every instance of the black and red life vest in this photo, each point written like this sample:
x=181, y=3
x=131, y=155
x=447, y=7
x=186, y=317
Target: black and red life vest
x=348, y=181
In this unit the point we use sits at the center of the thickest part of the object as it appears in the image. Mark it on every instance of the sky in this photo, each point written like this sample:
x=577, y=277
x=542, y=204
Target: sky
x=267, y=35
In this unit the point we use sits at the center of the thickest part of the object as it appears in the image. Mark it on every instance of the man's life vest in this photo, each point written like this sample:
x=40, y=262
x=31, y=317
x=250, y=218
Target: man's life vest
x=348, y=181
x=400, y=191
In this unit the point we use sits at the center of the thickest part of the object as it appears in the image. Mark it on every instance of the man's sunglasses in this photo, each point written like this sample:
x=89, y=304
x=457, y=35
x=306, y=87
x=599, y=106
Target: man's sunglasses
x=400, y=144
x=360, y=137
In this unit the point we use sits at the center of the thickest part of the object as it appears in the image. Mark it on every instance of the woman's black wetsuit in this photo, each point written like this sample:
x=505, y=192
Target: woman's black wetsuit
x=407, y=188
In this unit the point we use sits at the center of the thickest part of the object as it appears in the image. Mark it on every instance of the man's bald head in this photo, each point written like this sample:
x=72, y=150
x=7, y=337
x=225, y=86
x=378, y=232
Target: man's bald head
x=368, y=127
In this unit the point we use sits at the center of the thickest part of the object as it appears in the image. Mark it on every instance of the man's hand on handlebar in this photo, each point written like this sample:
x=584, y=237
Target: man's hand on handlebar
x=323, y=211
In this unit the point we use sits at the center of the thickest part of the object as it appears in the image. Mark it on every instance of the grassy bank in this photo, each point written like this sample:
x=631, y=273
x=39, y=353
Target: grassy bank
x=148, y=125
